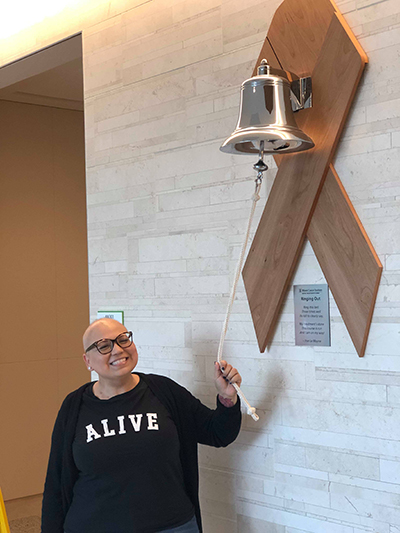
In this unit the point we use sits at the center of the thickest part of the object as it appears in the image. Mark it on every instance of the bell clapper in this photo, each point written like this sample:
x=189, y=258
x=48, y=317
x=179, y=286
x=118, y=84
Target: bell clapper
x=260, y=167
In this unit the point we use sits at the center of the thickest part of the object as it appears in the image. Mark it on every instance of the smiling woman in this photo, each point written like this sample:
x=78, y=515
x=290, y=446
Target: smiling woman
x=110, y=351
x=124, y=449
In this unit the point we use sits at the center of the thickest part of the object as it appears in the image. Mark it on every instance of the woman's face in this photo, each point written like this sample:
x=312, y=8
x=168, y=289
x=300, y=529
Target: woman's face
x=116, y=364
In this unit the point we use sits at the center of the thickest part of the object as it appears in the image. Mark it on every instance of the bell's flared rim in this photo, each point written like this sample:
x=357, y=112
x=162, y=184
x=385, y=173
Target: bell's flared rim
x=276, y=140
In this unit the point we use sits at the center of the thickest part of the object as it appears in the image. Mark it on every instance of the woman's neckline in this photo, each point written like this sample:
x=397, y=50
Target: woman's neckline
x=97, y=393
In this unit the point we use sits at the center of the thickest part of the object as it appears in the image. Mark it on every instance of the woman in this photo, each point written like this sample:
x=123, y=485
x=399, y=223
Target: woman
x=123, y=457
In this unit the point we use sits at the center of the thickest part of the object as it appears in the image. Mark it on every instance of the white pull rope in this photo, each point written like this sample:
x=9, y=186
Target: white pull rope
x=250, y=410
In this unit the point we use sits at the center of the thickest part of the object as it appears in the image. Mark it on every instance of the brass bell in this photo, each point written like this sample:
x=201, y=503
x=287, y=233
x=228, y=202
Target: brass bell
x=266, y=115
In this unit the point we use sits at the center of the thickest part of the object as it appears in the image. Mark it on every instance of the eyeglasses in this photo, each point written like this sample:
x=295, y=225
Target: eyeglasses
x=105, y=346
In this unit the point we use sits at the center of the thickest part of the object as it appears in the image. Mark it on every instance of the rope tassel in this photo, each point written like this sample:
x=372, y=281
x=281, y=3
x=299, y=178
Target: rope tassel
x=250, y=410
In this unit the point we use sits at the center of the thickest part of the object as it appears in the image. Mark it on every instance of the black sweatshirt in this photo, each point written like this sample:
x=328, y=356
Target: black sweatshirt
x=195, y=424
x=126, y=449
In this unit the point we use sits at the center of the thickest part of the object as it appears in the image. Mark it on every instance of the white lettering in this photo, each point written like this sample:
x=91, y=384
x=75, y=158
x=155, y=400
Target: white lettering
x=121, y=425
x=107, y=432
x=152, y=421
x=91, y=433
x=136, y=421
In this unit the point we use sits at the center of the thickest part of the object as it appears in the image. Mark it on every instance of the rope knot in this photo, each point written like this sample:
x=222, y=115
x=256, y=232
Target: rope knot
x=252, y=412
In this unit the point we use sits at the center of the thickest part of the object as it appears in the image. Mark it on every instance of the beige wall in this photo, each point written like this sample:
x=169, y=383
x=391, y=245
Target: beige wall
x=43, y=282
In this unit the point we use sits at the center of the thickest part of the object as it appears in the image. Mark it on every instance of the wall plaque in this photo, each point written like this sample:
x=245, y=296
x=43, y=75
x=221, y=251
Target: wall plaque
x=311, y=311
x=116, y=315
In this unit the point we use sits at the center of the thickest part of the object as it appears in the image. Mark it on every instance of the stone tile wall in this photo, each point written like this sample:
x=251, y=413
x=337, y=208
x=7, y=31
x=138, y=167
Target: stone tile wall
x=167, y=214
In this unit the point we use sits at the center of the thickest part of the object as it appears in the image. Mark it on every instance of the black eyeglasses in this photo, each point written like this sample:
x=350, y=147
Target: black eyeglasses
x=104, y=346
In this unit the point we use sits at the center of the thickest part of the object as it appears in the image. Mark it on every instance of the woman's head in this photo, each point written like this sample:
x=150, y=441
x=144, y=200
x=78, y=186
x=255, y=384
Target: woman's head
x=109, y=349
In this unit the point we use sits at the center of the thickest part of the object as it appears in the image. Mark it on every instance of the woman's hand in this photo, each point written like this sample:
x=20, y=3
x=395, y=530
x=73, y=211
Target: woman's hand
x=225, y=375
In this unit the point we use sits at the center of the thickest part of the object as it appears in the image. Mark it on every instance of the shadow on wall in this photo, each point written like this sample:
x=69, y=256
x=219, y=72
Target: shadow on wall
x=226, y=473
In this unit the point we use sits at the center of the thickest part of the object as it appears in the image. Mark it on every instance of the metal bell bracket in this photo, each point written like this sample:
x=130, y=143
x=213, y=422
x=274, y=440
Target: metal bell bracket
x=300, y=93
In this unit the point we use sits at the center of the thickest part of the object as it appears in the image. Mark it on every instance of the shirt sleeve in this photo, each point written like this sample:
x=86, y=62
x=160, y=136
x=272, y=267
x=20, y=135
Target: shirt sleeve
x=195, y=421
x=213, y=427
x=217, y=427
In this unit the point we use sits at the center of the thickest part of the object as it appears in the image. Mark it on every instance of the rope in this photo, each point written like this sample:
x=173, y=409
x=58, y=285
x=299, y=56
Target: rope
x=250, y=410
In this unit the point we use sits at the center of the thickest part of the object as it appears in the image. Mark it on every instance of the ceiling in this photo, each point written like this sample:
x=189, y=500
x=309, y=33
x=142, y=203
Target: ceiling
x=51, y=77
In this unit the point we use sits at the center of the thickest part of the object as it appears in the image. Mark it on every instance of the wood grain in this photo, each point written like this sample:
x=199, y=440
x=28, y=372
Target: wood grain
x=347, y=258
x=267, y=52
x=298, y=31
x=284, y=223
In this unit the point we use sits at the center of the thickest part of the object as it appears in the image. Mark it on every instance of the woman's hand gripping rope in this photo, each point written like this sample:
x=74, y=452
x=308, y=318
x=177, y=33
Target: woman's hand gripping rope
x=227, y=382
x=225, y=379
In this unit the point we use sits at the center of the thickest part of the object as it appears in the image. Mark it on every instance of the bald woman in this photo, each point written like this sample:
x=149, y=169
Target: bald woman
x=123, y=456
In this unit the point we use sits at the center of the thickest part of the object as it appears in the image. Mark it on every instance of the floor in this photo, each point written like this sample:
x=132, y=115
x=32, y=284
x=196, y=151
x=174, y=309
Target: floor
x=24, y=514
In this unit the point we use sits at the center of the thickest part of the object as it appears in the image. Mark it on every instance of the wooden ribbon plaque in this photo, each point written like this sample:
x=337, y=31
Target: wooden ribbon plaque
x=310, y=38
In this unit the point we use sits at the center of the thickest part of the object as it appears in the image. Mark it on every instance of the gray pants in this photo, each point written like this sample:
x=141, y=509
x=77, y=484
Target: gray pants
x=189, y=527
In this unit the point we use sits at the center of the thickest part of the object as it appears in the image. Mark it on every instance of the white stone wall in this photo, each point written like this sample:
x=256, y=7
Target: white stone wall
x=167, y=214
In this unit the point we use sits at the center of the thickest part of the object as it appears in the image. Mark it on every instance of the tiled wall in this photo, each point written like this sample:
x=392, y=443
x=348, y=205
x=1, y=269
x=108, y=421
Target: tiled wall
x=167, y=214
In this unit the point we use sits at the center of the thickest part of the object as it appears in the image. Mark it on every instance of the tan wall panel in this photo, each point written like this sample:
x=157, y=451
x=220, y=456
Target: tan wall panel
x=29, y=402
x=27, y=240
x=43, y=282
x=70, y=369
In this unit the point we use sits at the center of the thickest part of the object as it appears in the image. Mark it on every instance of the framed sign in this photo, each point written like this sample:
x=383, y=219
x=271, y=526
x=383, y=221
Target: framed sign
x=116, y=315
x=312, y=319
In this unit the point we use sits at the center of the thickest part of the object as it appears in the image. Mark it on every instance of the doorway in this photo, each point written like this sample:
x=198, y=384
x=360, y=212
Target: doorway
x=43, y=250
